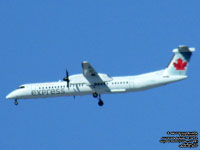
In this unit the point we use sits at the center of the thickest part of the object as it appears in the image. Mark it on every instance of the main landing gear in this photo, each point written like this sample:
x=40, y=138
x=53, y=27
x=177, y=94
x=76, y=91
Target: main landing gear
x=16, y=102
x=100, y=103
x=98, y=96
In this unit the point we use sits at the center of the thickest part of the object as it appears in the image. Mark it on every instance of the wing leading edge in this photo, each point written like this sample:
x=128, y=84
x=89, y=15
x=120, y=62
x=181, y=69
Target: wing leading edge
x=88, y=70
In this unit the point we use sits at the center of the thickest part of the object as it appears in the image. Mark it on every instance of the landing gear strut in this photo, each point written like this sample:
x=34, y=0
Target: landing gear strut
x=98, y=96
x=16, y=102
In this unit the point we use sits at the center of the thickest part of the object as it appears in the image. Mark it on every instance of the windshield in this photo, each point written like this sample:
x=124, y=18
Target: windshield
x=21, y=87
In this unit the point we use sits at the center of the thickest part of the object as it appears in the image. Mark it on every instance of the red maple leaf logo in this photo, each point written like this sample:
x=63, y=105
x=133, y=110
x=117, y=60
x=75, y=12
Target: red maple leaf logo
x=180, y=65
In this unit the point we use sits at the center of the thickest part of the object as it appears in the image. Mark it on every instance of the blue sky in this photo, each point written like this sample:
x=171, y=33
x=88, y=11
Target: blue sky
x=40, y=39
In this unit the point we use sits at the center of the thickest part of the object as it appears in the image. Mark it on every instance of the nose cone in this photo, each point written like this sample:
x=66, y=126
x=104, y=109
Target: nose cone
x=11, y=95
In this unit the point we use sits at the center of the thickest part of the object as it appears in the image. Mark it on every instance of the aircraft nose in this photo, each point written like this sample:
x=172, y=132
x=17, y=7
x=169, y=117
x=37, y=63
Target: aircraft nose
x=11, y=95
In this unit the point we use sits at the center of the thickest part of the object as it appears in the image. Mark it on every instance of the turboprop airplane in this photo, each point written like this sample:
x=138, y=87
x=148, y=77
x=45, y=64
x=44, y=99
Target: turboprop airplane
x=92, y=83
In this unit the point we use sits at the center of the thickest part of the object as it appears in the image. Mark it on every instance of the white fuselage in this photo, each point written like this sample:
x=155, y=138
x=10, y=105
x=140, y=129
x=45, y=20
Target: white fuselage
x=92, y=83
x=80, y=86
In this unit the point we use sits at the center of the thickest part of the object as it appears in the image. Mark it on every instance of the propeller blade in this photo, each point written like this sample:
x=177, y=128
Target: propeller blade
x=67, y=78
x=67, y=74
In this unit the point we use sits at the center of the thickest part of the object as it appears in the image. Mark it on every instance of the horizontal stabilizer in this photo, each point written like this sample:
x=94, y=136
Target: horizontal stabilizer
x=183, y=48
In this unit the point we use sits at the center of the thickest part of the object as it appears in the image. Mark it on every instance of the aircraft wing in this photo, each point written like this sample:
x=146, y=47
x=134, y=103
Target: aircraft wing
x=92, y=76
x=88, y=70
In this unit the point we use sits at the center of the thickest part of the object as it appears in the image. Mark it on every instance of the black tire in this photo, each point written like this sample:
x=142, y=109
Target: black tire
x=95, y=95
x=100, y=103
x=16, y=102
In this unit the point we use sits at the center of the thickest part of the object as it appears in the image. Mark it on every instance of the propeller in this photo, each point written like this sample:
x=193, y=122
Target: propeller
x=66, y=78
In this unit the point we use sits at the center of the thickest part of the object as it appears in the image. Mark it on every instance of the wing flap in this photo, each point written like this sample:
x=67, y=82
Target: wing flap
x=118, y=90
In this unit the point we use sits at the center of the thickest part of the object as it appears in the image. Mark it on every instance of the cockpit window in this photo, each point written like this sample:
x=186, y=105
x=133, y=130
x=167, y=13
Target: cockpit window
x=21, y=87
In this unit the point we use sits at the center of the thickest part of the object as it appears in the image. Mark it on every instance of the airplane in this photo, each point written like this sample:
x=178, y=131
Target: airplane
x=92, y=83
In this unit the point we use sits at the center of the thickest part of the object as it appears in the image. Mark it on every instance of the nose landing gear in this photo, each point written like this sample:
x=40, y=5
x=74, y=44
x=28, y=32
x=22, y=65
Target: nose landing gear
x=16, y=102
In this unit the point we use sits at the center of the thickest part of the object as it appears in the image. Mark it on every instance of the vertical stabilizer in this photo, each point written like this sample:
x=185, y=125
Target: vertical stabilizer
x=179, y=62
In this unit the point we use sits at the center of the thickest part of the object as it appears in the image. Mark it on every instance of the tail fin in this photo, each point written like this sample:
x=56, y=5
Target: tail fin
x=179, y=63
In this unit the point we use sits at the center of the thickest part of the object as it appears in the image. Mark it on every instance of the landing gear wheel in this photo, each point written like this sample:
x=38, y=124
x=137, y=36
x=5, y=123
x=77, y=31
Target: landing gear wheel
x=16, y=102
x=95, y=95
x=100, y=103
